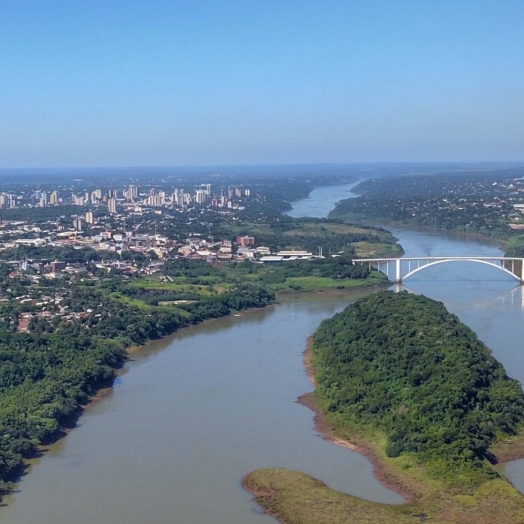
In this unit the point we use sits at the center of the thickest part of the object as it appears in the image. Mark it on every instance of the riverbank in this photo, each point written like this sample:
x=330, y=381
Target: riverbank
x=452, y=233
x=368, y=447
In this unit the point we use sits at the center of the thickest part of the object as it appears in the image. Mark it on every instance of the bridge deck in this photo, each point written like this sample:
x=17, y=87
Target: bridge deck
x=434, y=258
x=506, y=264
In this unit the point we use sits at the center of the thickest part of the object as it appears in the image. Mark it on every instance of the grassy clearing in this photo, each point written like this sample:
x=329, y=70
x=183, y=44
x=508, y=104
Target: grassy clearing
x=311, y=284
x=200, y=289
x=509, y=448
x=323, y=228
x=368, y=250
x=131, y=301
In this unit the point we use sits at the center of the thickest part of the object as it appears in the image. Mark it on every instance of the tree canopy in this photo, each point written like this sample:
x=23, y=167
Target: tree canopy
x=402, y=363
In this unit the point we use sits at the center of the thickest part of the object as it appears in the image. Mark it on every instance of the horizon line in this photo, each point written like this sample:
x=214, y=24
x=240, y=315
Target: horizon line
x=312, y=164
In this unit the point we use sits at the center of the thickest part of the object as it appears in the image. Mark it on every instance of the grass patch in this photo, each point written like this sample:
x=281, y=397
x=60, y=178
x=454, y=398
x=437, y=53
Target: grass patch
x=131, y=301
x=175, y=287
x=310, y=284
x=296, y=498
x=509, y=447
x=366, y=249
x=323, y=228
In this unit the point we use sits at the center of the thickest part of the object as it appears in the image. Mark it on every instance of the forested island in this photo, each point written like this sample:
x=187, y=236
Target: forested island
x=406, y=383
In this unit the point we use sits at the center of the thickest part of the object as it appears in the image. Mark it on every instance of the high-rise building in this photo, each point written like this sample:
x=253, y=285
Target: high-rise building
x=155, y=200
x=178, y=197
x=247, y=192
x=208, y=190
x=111, y=205
x=98, y=193
x=90, y=218
x=238, y=192
x=53, y=197
x=77, y=224
x=200, y=196
x=132, y=192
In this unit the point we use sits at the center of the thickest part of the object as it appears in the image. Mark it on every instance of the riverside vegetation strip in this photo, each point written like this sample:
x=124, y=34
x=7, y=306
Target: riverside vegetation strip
x=406, y=382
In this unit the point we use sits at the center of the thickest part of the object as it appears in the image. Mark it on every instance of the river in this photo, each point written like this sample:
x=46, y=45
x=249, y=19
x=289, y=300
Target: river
x=191, y=414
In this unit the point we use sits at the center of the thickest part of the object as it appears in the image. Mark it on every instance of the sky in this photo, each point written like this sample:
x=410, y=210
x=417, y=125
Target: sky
x=229, y=82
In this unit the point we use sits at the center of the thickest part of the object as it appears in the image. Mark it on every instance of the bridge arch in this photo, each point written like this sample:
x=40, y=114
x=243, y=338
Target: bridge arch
x=402, y=272
x=444, y=261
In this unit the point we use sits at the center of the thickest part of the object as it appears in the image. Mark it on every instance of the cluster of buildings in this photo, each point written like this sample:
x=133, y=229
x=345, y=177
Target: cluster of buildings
x=115, y=200
x=112, y=220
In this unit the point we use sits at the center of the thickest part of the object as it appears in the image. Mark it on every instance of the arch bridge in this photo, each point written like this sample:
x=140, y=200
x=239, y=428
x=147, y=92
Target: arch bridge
x=403, y=268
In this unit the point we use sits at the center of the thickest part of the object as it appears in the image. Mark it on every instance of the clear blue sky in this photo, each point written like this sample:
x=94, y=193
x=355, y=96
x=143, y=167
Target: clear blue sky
x=166, y=82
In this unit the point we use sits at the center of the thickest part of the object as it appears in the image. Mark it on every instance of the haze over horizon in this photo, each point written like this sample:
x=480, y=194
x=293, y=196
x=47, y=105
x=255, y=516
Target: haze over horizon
x=179, y=83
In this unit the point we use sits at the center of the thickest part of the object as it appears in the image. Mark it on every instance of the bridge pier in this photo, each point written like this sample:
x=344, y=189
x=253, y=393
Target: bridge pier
x=398, y=275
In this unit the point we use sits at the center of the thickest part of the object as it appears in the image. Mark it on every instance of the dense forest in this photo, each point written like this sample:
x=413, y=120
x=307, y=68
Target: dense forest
x=403, y=364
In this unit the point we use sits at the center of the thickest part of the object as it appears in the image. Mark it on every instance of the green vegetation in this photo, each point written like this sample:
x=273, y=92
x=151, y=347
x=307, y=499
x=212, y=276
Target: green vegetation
x=194, y=277
x=412, y=387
